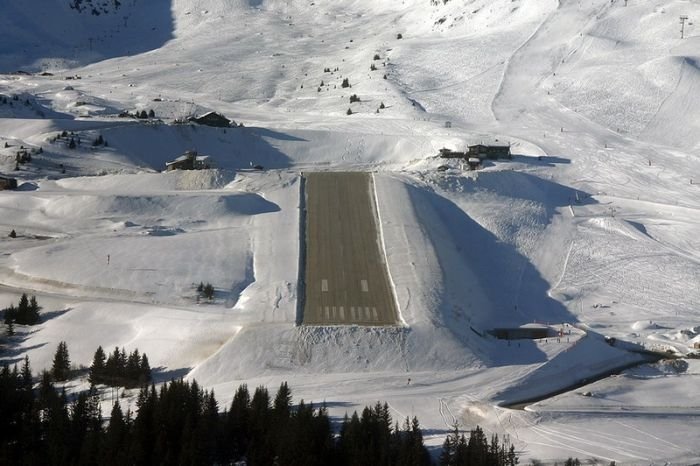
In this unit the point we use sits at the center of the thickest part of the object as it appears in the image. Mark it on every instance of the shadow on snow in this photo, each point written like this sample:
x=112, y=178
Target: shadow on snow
x=63, y=34
x=515, y=291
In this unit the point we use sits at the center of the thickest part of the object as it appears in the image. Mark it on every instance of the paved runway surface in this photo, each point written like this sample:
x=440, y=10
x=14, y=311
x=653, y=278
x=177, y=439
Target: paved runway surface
x=346, y=280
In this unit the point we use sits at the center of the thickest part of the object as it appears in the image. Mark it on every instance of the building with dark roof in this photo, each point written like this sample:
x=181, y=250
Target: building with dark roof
x=212, y=119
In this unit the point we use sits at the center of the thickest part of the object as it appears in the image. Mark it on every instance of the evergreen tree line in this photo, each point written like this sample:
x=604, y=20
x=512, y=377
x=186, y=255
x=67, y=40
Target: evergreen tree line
x=40, y=426
x=120, y=369
x=457, y=450
x=25, y=313
x=180, y=423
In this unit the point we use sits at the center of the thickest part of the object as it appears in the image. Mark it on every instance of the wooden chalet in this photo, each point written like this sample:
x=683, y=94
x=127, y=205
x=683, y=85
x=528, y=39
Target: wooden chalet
x=451, y=154
x=7, y=183
x=190, y=160
x=490, y=151
x=212, y=119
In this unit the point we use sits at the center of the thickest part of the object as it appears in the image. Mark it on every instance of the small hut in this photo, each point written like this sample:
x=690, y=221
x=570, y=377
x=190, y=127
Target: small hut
x=7, y=183
x=212, y=119
x=190, y=160
x=490, y=151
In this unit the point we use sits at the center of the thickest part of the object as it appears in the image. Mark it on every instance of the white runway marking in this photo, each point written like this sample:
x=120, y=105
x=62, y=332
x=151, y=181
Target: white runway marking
x=374, y=314
x=352, y=312
x=328, y=313
x=342, y=313
x=367, y=313
x=365, y=287
x=324, y=285
x=333, y=312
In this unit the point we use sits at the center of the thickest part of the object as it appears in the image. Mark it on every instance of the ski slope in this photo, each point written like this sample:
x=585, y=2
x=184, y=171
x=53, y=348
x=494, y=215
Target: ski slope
x=592, y=227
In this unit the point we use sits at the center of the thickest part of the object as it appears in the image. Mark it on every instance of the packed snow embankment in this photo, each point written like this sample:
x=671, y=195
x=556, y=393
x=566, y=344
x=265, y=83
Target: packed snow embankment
x=175, y=340
x=133, y=247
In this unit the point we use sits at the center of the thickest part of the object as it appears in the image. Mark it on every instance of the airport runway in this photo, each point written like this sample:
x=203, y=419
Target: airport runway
x=346, y=279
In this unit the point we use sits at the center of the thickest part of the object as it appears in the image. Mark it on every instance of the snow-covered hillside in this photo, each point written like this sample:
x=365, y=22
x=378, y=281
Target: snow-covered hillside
x=592, y=227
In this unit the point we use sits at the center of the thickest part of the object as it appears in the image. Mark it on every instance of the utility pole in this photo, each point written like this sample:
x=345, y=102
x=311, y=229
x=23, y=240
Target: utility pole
x=684, y=18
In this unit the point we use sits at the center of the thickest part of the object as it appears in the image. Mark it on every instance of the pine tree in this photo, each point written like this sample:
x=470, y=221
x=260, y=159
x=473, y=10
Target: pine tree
x=236, y=431
x=116, y=439
x=114, y=367
x=97, y=368
x=54, y=420
x=208, y=291
x=133, y=366
x=121, y=364
x=144, y=370
x=26, y=375
x=144, y=430
x=151, y=114
x=33, y=311
x=23, y=310
x=60, y=370
x=283, y=402
x=86, y=427
x=10, y=315
x=259, y=450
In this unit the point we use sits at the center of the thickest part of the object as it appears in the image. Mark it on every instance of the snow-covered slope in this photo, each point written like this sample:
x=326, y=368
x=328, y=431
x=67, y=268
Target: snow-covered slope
x=53, y=34
x=591, y=228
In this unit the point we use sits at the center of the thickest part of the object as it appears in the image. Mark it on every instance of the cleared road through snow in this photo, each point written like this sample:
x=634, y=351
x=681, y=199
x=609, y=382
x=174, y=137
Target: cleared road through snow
x=346, y=278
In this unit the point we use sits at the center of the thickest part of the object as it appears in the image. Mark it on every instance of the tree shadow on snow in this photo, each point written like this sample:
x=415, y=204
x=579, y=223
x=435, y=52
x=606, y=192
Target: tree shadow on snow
x=13, y=352
x=46, y=316
x=163, y=374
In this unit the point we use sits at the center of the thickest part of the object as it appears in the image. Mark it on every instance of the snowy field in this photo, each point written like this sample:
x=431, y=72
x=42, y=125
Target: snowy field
x=592, y=228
